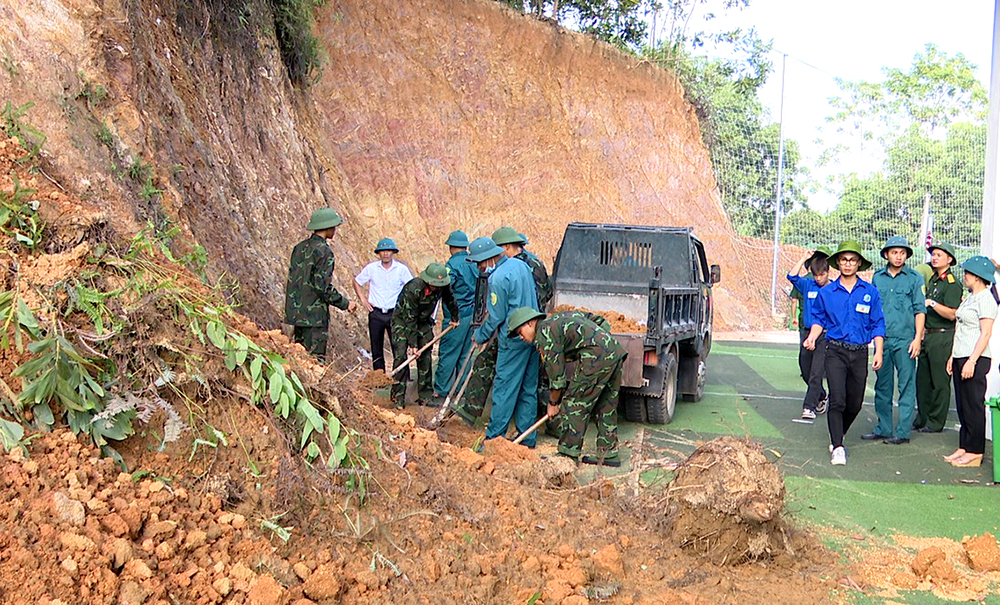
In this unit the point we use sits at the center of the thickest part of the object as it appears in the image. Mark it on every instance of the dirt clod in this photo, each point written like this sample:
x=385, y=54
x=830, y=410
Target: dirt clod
x=983, y=552
x=727, y=501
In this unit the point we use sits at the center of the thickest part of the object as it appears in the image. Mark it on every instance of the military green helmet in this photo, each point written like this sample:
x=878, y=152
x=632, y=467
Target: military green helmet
x=821, y=252
x=323, y=218
x=483, y=248
x=896, y=241
x=521, y=316
x=981, y=267
x=386, y=243
x=850, y=246
x=458, y=239
x=507, y=235
x=436, y=274
x=946, y=248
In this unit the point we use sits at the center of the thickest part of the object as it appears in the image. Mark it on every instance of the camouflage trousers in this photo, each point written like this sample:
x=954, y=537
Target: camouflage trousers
x=425, y=379
x=314, y=339
x=484, y=369
x=592, y=392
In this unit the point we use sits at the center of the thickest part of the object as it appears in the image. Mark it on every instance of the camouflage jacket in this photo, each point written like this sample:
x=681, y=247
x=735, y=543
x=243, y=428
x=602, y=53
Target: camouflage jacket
x=543, y=284
x=566, y=336
x=310, y=289
x=415, y=308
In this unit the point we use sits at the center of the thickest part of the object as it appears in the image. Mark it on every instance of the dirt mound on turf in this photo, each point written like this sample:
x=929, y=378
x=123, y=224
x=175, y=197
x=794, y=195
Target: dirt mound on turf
x=727, y=501
x=376, y=379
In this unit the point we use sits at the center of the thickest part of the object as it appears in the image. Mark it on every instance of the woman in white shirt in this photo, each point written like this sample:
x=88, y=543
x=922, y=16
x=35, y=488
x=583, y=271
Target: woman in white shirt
x=970, y=360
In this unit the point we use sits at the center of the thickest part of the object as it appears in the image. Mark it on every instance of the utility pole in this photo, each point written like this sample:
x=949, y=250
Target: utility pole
x=990, y=237
x=778, y=193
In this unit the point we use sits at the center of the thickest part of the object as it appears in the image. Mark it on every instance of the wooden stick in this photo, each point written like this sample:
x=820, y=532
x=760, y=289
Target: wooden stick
x=421, y=350
x=531, y=430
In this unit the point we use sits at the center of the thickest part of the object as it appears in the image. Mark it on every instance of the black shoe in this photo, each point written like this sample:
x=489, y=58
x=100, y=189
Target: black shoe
x=874, y=436
x=895, y=441
x=927, y=429
x=604, y=462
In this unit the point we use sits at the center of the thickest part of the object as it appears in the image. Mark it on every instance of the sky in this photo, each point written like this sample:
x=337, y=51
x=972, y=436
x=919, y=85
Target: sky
x=854, y=39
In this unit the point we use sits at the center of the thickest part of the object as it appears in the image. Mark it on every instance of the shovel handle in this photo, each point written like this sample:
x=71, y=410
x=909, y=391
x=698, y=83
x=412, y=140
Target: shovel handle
x=531, y=430
x=421, y=350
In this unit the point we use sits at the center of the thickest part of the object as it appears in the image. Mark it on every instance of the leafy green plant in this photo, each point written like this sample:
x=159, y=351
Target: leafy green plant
x=103, y=134
x=92, y=93
x=14, y=125
x=19, y=217
x=300, y=49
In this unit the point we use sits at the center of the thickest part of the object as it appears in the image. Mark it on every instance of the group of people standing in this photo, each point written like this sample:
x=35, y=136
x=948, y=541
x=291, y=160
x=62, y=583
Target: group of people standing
x=927, y=338
x=494, y=295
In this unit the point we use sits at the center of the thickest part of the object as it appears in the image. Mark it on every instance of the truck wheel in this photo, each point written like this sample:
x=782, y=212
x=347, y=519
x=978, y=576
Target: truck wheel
x=660, y=410
x=635, y=407
x=700, y=390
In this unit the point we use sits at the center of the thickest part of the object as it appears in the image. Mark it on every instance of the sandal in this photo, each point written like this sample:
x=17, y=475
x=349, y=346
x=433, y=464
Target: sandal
x=968, y=461
x=955, y=455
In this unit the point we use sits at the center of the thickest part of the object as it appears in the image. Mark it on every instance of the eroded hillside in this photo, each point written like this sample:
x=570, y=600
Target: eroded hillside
x=429, y=116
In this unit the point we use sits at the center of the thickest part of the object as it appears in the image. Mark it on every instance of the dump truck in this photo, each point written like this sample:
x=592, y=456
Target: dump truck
x=659, y=280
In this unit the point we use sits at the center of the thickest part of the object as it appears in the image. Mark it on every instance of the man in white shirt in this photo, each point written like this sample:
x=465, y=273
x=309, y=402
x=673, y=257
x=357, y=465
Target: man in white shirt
x=385, y=279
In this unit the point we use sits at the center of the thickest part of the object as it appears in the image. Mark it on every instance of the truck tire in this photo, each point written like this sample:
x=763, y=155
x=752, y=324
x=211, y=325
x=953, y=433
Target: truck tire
x=635, y=407
x=700, y=389
x=660, y=410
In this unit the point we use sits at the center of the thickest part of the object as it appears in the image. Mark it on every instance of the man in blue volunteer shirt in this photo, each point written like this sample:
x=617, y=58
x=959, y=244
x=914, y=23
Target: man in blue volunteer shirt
x=850, y=310
x=811, y=361
x=455, y=345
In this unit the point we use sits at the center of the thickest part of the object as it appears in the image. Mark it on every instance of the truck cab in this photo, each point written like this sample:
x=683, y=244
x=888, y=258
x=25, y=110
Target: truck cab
x=659, y=279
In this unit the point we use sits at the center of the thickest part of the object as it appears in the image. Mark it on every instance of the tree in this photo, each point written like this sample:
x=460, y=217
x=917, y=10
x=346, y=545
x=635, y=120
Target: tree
x=618, y=22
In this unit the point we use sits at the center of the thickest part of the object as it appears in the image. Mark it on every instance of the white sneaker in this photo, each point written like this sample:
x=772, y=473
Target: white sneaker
x=808, y=414
x=839, y=457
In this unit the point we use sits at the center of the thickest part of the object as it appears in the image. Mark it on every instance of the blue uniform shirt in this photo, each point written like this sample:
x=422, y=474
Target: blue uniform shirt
x=511, y=286
x=902, y=299
x=463, y=282
x=809, y=289
x=853, y=317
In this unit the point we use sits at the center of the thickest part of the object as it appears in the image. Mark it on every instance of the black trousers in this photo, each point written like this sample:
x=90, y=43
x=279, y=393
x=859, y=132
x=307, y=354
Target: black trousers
x=812, y=368
x=379, y=325
x=846, y=373
x=970, y=396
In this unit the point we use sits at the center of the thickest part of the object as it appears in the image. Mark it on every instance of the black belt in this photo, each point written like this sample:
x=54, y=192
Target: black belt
x=939, y=330
x=846, y=345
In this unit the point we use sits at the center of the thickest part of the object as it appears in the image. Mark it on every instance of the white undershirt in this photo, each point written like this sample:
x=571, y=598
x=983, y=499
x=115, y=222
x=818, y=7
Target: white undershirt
x=384, y=285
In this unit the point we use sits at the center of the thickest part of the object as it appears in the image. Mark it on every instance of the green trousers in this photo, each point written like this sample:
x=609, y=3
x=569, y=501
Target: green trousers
x=425, y=382
x=591, y=392
x=933, y=381
x=896, y=361
x=314, y=339
x=484, y=369
x=452, y=351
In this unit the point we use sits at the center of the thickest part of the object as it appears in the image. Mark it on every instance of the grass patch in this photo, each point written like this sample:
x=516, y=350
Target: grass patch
x=300, y=49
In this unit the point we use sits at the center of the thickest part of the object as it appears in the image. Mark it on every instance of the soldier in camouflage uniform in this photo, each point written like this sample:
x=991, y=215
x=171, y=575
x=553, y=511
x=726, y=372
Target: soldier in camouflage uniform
x=310, y=289
x=413, y=327
x=593, y=389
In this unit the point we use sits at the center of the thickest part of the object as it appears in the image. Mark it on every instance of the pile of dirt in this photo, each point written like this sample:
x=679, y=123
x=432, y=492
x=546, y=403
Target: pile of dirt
x=376, y=379
x=727, y=500
x=619, y=323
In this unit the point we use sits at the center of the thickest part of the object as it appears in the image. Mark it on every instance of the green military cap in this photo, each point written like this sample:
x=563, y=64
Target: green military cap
x=386, y=243
x=521, y=316
x=507, y=235
x=850, y=246
x=982, y=267
x=436, y=274
x=944, y=247
x=896, y=241
x=483, y=248
x=458, y=239
x=821, y=252
x=323, y=218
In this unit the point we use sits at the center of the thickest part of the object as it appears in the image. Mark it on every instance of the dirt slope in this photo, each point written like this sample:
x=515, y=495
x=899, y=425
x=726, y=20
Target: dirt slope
x=429, y=116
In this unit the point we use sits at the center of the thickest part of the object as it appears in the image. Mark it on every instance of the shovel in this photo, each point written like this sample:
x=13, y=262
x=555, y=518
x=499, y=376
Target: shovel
x=531, y=430
x=446, y=412
x=421, y=350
